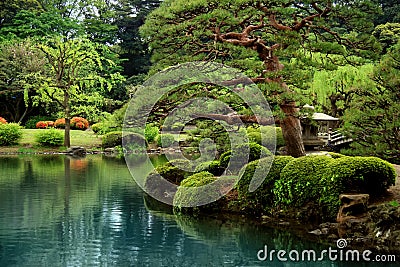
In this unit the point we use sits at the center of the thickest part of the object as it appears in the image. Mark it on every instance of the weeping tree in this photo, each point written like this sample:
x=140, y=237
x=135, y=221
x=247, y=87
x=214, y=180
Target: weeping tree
x=268, y=40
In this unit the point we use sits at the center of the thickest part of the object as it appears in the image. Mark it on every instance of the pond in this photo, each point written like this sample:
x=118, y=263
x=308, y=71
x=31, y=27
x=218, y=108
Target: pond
x=58, y=211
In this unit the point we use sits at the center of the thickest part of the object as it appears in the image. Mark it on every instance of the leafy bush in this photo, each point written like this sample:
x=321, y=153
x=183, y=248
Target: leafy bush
x=112, y=139
x=177, y=126
x=213, y=167
x=31, y=123
x=262, y=198
x=300, y=181
x=150, y=133
x=51, y=137
x=98, y=128
x=165, y=140
x=10, y=134
x=2, y=120
x=59, y=123
x=255, y=152
x=78, y=123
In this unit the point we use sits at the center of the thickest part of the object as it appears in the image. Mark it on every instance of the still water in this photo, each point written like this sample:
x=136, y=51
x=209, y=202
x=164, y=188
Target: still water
x=57, y=211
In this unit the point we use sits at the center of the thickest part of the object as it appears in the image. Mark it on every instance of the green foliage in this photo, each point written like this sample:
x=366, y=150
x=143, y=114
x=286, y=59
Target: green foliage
x=213, y=167
x=300, y=181
x=165, y=140
x=10, y=134
x=262, y=198
x=134, y=142
x=150, y=133
x=112, y=139
x=372, y=120
x=255, y=152
x=51, y=137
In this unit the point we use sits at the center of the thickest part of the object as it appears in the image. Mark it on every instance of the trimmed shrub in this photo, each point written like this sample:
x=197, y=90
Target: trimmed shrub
x=112, y=139
x=255, y=152
x=98, y=127
x=3, y=121
x=150, y=133
x=300, y=181
x=368, y=175
x=165, y=140
x=41, y=125
x=175, y=170
x=213, y=167
x=51, y=137
x=78, y=123
x=263, y=197
x=185, y=196
x=60, y=123
x=10, y=134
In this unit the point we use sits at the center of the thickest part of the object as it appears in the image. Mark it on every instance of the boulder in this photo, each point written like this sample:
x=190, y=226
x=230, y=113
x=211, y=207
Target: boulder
x=76, y=151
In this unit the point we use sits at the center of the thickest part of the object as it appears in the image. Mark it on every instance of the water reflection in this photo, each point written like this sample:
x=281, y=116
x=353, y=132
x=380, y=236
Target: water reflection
x=59, y=211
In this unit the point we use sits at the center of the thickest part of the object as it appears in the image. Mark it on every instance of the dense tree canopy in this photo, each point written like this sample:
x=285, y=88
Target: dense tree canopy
x=261, y=38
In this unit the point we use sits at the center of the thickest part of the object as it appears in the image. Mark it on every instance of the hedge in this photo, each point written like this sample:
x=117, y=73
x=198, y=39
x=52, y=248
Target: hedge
x=213, y=167
x=112, y=139
x=50, y=137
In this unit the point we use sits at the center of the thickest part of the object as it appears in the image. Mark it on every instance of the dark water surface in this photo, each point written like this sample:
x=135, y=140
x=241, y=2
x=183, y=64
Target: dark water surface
x=56, y=211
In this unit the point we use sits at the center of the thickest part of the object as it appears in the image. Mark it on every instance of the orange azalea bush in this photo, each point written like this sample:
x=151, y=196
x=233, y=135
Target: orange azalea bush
x=59, y=123
x=41, y=125
x=79, y=123
x=2, y=120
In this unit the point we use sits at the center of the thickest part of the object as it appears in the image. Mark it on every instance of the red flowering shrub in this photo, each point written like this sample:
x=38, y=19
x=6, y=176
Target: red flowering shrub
x=50, y=123
x=59, y=123
x=41, y=125
x=2, y=120
x=79, y=123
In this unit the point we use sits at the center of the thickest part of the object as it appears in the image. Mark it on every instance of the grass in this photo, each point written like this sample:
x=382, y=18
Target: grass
x=87, y=139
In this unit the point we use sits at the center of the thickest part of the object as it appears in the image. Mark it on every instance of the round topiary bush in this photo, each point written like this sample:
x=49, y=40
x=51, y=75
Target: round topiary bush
x=10, y=134
x=263, y=197
x=184, y=196
x=255, y=152
x=134, y=142
x=112, y=139
x=336, y=155
x=300, y=181
x=213, y=167
x=51, y=137
x=98, y=128
x=165, y=140
x=368, y=175
x=175, y=170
